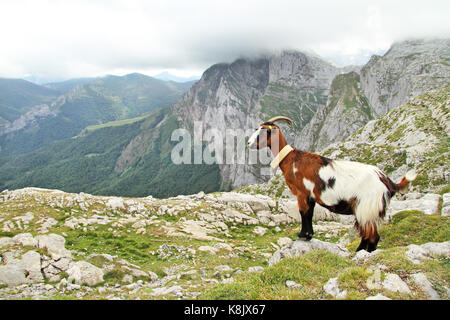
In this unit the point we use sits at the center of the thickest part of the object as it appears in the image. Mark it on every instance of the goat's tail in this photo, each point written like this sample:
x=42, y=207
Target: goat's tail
x=409, y=176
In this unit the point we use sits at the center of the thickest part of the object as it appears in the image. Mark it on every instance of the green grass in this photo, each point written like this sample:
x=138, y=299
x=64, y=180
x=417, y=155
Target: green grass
x=411, y=227
x=312, y=271
x=414, y=227
x=445, y=189
x=116, y=123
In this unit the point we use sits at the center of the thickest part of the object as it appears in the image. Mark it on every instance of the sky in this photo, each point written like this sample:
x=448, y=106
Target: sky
x=69, y=39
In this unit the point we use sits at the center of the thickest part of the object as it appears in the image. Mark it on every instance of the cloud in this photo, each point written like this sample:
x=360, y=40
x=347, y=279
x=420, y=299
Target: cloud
x=86, y=38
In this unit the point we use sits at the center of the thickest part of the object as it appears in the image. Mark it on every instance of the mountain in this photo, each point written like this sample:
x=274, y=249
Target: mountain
x=67, y=85
x=408, y=69
x=76, y=104
x=166, y=76
x=18, y=96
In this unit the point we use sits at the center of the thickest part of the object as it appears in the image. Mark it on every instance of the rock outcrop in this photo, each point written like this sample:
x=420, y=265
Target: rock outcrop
x=408, y=69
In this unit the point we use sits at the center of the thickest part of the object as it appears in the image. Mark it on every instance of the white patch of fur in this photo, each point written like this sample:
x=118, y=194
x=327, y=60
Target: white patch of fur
x=355, y=179
x=253, y=137
x=309, y=185
x=411, y=175
x=294, y=169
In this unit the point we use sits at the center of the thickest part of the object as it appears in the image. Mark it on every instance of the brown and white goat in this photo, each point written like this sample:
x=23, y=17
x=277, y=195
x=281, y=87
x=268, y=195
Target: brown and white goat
x=343, y=187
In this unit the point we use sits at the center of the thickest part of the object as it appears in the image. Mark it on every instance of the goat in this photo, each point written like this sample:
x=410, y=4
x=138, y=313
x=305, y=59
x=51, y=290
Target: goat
x=343, y=187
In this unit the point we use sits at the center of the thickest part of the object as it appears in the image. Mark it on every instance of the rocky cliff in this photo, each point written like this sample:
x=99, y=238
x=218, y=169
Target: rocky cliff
x=407, y=70
x=346, y=111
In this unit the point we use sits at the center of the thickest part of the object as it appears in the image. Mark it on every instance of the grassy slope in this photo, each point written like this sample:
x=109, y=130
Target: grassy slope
x=311, y=271
x=314, y=269
x=298, y=104
x=19, y=96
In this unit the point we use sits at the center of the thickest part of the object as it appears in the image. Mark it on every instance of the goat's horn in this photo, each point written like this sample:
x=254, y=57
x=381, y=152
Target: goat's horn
x=280, y=118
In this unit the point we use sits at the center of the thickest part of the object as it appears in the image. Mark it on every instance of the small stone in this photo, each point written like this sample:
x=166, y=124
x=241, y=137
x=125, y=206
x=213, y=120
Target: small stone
x=293, y=285
x=209, y=249
x=223, y=268
x=48, y=287
x=394, y=283
x=331, y=288
x=260, y=231
x=255, y=269
x=127, y=278
x=362, y=255
x=153, y=276
x=421, y=280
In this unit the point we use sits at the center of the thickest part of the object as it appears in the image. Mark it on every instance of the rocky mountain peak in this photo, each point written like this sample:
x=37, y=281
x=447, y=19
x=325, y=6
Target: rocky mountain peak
x=408, y=69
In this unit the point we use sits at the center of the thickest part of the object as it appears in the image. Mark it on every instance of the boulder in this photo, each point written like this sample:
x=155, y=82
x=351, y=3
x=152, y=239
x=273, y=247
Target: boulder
x=55, y=245
x=284, y=241
x=11, y=277
x=115, y=203
x=299, y=247
x=82, y=272
x=25, y=239
x=421, y=280
x=394, y=283
x=6, y=241
x=31, y=263
x=418, y=253
x=428, y=204
x=27, y=269
x=445, y=204
x=208, y=249
x=260, y=231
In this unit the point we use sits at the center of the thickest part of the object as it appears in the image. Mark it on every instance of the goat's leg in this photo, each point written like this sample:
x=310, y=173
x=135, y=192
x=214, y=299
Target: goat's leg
x=363, y=244
x=369, y=238
x=307, y=231
x=303, y=233
x=373, y=241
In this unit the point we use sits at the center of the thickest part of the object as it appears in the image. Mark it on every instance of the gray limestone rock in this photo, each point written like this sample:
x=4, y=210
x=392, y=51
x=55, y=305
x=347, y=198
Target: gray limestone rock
x=299, y=247
x=82, y=272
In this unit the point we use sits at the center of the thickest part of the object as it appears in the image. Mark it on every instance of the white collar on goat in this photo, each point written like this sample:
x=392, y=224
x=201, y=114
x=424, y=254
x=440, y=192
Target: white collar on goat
x=280, y=156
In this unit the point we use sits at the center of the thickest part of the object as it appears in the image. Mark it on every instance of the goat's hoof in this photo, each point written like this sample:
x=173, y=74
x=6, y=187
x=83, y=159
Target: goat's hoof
x=304, y=236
